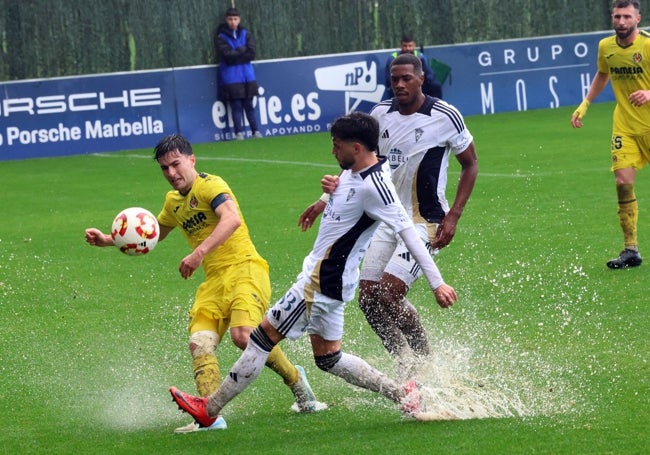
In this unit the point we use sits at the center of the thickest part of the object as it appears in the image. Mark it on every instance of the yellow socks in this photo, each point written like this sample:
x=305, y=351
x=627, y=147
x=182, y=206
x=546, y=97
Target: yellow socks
x=628, y=214
x=279, y=363
x=206, y=374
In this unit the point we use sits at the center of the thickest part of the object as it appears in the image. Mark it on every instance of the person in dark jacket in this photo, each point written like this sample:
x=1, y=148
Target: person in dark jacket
x=431, y=86
x=235, y=48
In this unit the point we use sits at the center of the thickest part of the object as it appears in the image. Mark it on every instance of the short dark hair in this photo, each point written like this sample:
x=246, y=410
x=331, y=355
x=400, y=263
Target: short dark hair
x=408, y=59
x=407, y=37
x=626, y=3
x=357, y=127
x=232, y=12
x=171, y=143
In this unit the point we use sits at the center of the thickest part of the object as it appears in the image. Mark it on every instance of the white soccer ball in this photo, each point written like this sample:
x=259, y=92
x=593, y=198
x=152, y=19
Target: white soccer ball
x=135, y=231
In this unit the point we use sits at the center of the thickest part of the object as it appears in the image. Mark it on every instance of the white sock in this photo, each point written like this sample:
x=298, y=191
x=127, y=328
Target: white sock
x=242, y=373
x=356, y=371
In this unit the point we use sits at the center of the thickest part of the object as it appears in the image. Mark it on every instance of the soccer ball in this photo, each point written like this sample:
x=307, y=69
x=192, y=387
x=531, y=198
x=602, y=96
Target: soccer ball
x=135, y=231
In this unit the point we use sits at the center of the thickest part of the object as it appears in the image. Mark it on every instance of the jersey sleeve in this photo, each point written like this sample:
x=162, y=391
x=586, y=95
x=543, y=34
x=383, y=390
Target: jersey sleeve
x=601, y=61
x=165, y=217
x=383, y=204
x=212, y=189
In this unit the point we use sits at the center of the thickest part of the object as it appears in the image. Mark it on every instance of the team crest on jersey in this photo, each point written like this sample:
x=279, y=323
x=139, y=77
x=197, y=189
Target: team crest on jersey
x=396, y=158
x=418, y=134
x=637, y=57
x=194, y=203
x=351, y=194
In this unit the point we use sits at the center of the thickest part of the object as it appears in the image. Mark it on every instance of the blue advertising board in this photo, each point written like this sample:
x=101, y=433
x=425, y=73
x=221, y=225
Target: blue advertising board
x=121, y=111
x=68, y=116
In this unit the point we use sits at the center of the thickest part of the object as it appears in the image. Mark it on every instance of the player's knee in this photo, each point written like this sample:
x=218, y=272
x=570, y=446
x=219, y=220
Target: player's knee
x=326, y=362
x=239, y=338
x=259, y=338
x=203, y=342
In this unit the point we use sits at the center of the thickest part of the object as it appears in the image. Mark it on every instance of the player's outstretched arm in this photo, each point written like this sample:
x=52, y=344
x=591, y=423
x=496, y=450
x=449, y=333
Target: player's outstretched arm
x=96, y=237
x=469, y=171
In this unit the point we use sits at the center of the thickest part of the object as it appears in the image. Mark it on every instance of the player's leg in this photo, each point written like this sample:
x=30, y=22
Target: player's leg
x=397, y=308
x=205, y=365
x=628, y=210
x=376, y=258
x=250, y=300
x=627, y=158
x=206, y=328
x=205, y=334
x=326, y=331
x=287, y=318
x=399, y=275
x=247, y=368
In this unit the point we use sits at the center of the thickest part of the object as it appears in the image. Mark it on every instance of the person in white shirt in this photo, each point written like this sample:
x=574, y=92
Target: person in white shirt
x=417, y=135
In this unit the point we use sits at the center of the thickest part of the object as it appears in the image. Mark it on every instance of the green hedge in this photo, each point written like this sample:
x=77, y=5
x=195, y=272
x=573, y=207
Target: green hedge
x=48, y=38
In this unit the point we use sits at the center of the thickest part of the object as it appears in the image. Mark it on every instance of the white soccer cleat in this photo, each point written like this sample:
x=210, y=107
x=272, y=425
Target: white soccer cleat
x=219, y=424
x=305, y=399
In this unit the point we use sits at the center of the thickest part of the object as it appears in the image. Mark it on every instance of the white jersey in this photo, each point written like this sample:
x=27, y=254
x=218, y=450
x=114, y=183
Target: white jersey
x=417, y=147
x=361, y=200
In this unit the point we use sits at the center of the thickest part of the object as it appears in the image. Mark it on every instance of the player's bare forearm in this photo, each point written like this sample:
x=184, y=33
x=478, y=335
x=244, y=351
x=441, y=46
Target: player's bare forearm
x=468, y=174
x=597, y=85
x=310, y=214
x=95, y=237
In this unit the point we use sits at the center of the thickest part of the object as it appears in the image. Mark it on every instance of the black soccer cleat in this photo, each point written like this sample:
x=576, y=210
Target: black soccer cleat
x=627, y=258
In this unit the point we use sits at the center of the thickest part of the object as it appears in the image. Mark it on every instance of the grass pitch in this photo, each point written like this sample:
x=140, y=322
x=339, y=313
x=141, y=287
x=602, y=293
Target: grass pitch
x=546, y=352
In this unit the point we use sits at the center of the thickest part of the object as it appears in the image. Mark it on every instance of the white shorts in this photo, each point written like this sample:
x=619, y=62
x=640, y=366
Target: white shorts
x=387, y=253
x=293, y=315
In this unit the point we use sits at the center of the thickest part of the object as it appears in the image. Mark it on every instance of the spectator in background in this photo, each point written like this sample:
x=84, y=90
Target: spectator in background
x=235, y=48
x=431, y=86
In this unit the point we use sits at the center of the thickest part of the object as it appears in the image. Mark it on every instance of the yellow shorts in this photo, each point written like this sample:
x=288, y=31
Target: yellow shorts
x=630, y=151
x=234, y=296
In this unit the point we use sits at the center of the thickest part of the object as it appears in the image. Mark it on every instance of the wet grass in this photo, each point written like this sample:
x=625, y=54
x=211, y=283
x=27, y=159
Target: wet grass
x=547, y=345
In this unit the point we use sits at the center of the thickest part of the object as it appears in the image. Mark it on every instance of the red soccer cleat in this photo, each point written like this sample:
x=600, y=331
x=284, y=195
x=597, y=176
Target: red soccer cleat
x=412, y=404
x=194, y=406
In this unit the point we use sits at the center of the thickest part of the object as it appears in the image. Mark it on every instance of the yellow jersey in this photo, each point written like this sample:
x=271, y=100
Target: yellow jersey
x=194, y=214
x=629, y=70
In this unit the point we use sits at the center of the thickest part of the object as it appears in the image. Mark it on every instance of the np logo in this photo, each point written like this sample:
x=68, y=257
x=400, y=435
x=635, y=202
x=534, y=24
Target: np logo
x=637, y=57
x=358, y=80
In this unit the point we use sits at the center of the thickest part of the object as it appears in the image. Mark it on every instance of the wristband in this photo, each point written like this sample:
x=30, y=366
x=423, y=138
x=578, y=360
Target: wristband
x=581, y=111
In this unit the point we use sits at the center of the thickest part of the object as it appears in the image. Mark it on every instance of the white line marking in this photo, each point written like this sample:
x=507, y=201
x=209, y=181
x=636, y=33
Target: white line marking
x=223, y=158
